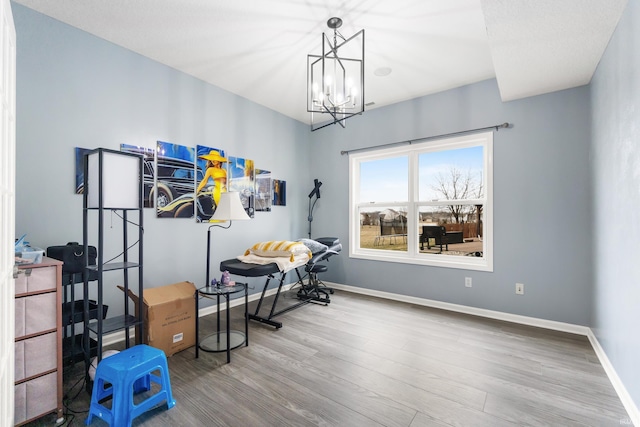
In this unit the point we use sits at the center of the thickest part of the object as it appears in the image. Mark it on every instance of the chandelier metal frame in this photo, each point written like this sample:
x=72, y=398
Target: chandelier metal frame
x=335, y=79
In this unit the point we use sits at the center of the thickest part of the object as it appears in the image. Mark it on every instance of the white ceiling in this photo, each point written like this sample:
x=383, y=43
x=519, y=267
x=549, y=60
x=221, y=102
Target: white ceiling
x=258, y=48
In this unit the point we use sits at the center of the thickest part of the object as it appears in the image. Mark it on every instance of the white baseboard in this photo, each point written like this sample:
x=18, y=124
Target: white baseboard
x=498, y=315
x=625, y=397
x=623, y=394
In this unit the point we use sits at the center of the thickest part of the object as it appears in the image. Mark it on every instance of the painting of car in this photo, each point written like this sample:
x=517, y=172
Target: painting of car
x=174, y=178
x=182, y=207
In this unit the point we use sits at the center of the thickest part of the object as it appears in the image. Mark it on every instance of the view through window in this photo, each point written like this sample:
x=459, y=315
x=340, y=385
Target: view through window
x=427, y=203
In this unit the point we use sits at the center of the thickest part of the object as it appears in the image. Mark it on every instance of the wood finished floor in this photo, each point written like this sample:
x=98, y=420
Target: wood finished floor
x=364, y=361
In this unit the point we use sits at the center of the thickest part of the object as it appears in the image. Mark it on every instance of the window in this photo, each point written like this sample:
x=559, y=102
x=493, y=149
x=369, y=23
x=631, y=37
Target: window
x=428, y=203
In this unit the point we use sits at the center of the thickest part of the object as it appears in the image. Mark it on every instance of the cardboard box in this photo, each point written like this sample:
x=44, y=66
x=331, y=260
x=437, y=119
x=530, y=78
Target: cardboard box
x=169, y=316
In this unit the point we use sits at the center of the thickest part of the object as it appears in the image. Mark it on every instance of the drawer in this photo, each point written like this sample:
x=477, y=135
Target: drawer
x=35, y=397
x=20, y=310
x=35, y=355
x=36, y=279
x=35, y=314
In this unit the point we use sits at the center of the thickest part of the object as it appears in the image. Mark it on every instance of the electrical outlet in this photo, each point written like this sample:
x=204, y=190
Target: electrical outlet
x=467, y=282
x=520, y=288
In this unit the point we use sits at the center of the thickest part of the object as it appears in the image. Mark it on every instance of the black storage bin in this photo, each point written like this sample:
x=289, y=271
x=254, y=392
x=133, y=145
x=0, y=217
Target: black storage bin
x=73, y=312
x=72, y=349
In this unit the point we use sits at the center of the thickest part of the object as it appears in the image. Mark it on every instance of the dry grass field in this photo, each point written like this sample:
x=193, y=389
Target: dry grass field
x=369, y=233
x=370, y=238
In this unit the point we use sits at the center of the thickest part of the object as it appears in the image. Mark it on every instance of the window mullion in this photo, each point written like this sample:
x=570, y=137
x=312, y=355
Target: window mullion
x=412, y=214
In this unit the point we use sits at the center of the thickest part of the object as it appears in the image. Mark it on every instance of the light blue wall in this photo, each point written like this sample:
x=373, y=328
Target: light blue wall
x=541, y=221
x=76, y=90
x=615, y=160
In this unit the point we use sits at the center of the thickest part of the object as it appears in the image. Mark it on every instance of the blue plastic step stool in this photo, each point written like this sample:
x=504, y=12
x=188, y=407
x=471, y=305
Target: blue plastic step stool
x=127, y=373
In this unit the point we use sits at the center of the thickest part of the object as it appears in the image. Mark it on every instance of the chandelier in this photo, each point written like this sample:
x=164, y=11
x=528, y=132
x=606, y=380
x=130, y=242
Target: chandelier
x=335, y=79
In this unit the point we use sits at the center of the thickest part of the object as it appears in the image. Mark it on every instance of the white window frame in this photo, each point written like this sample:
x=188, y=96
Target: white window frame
x=413, y=255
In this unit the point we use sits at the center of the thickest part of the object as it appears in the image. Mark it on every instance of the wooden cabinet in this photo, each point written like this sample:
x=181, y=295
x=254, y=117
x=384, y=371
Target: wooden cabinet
x=38, y=341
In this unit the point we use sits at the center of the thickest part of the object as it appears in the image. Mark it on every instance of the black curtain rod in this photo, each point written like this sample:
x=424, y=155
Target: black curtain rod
x=410, y=141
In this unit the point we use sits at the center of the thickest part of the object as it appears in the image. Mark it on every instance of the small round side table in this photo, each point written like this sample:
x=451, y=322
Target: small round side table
x=228, y=340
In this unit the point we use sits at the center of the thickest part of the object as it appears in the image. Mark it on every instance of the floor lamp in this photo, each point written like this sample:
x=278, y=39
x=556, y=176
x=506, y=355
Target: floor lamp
x=230, y=209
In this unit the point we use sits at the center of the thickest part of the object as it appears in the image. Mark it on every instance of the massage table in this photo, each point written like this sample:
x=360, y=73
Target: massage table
x=245, y=269
x=269, y=270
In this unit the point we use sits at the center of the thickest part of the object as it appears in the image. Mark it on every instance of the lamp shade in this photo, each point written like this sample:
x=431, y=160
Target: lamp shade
x=116, y=177
x=230, y=208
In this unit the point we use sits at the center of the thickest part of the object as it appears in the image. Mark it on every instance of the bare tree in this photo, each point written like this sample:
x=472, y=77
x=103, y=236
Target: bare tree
x=456, y=185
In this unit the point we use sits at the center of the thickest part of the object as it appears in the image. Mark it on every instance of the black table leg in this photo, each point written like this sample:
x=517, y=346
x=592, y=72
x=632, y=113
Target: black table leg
x=228, y=331
x=246, y=315
x=196, y=296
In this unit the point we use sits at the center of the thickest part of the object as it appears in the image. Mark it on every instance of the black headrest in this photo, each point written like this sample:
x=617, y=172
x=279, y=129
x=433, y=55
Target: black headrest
x=329, y=241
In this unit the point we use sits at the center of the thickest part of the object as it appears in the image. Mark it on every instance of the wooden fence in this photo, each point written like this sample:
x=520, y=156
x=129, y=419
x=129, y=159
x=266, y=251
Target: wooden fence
x=469, y=229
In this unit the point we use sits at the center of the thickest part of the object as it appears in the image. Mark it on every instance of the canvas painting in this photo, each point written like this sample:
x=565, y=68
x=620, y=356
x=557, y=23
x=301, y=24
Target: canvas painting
x=279, y=193
x=242, y=180
x=148, y=167
x=263, y=190
x=175, y=180
x=211, y=178
x=80, y=152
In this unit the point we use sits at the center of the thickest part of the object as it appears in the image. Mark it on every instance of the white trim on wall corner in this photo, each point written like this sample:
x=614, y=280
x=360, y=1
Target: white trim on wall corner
x=623, y=394
x=621, y=390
